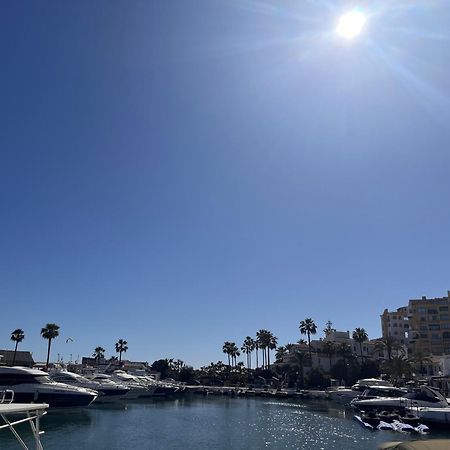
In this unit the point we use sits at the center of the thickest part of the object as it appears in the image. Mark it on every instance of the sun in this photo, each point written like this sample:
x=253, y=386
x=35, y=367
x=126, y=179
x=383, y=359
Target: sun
x=351, y=24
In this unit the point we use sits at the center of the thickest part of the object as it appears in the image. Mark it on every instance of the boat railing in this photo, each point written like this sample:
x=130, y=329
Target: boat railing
x=6, y=396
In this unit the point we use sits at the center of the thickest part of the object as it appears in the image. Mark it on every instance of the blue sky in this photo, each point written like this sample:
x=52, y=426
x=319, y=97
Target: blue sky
x=179, y=174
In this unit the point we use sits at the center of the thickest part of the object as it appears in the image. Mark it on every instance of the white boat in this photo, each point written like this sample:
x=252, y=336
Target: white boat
x=31, y=385
x=107, y=390
x=136, y=389
x=433, y=416
x=14, y=414
x=392, y=399
x=343, y=394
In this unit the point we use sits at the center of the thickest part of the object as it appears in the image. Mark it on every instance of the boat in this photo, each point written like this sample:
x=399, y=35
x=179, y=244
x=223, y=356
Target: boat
x=32, y=385
x=342, y=394
x=16, y=413
x=435, y=444
x=435, y=417
x=392, y=399
x=135, y=390
x=107, y=389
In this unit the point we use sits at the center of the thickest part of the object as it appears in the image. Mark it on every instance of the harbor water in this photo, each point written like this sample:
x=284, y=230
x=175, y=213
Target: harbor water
x=200, y=423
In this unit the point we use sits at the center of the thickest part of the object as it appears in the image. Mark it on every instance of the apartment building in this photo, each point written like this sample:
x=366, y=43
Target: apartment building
x=423, y=326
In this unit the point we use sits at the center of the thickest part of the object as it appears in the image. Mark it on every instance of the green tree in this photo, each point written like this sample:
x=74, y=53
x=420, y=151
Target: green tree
x=121, y=347
x=263, y=339
x=161, y=366
x=281, y=351
x=308, y=327
x=419, y=358
x=17, y=336
x=360, y=336
x=271, y=345
x=49, y=332
x=234, y=353
x=397, y=368
x=330, y=349
x=99, y=353
x=226, y=348
x=247, y=347
x=388, y=345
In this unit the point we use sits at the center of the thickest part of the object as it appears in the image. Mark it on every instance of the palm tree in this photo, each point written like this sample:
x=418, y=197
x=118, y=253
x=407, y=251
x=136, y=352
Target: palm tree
x=388, y=345
x=330, y=349
x=247, y=347
x=420, y=358
x=17, y=336
x=328, y=328
x=300, y=358
x=308, y=327
x=262, y=337
x=360, y=335
x=121, y=347
x=99, y=353
x=344, y=351
x=398, y=367
x=226, y=348
x=257, y=350
x=281, y=351
x=234, y=352
x=50, y=332
x=271, y=345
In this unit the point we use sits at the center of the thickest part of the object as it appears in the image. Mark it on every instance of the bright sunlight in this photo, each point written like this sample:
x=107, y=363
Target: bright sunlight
x=351, y=24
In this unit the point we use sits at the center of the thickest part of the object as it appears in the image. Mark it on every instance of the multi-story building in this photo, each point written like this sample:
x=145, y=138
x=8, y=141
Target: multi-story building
x=423, y=326
x=429, y=325
x=395, y=324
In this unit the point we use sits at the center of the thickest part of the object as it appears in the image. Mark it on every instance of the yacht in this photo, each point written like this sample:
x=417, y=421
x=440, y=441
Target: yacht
x=393, y=398
x=343, y=394
x=107, y=389
x=136, y=390
x=31, y=385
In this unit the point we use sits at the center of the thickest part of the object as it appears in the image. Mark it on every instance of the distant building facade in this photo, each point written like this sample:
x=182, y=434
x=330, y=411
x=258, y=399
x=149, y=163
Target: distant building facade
x=423, y=326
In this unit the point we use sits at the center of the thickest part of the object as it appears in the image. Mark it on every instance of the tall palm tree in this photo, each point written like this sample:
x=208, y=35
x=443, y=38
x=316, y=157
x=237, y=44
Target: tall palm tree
x=17, y=336
x=330, y=349
x=234, y=352
x=262, y=338
x=50, y=332
x=398, y=367
x=308, y=327
x=360, y=336
x=226, y=348
x=121, y=347
x=271, y=345
x=247, y=347
x=257, y=351
x=99, y=353
x=344, y=351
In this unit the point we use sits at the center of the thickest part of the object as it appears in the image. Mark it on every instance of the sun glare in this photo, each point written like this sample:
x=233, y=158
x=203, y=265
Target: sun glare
x=351, y=24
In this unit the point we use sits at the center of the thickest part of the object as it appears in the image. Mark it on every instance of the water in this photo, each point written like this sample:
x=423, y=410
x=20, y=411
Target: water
x=218, y=423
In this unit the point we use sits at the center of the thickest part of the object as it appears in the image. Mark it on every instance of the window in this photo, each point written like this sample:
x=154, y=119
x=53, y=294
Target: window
x=432, y=311
x=443, y=308
x=435, y=336
x=445, y=316
x=421, y=310
x=434, y=326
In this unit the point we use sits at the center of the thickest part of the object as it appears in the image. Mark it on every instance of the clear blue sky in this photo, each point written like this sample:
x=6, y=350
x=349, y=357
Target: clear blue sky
x=181, y=173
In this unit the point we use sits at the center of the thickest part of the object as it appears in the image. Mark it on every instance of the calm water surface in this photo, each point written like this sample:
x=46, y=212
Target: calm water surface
x=218, y=423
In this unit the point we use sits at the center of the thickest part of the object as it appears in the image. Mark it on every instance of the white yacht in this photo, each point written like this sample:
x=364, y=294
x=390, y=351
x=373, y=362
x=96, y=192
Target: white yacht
x=145, y=387
x=31, y=385
x=343, y=394
x=136, y=390
x=107, y=389
x=392, y=398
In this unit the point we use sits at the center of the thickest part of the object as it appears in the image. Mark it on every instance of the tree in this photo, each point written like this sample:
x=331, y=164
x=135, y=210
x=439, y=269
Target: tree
x=161, y=366
x=308, y=327
x=281, y=351
x=388, y=345
x=360, y=336
x=420, y=358
x=271, y=345
x=226, y=348
x=121, y=347
x=330, y=349
x=99, y=353
x=49, y=332
x=299, y=363
x=247, y=347
x=263, y=339
x=17, y=336
x=234, y=352
x=398, y=367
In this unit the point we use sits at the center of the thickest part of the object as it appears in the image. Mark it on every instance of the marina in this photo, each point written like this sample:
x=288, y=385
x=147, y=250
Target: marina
x=212, y=422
